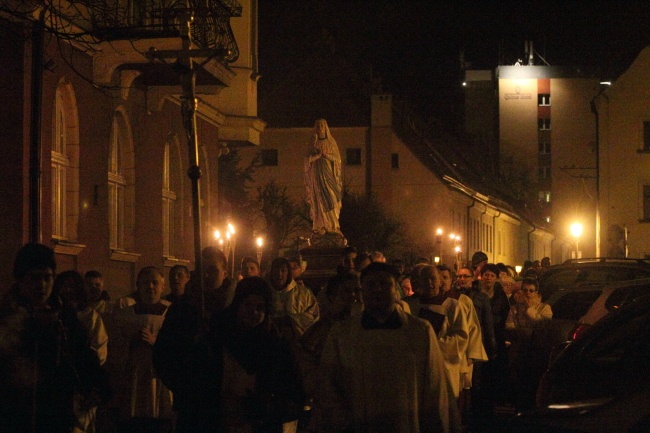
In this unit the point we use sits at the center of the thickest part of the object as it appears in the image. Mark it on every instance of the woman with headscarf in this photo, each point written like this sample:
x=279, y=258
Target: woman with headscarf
x=323, y=180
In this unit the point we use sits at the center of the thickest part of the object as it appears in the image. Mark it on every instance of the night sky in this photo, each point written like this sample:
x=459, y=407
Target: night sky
x=339, y=50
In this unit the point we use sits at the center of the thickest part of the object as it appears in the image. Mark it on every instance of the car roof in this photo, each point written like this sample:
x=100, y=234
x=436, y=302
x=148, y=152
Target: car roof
x=606, y=260
x=585, y=274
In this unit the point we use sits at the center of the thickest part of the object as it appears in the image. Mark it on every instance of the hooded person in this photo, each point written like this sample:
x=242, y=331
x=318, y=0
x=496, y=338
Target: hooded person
x=240, y=376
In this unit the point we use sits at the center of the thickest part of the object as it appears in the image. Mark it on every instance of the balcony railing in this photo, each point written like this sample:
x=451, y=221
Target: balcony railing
x=111, y=20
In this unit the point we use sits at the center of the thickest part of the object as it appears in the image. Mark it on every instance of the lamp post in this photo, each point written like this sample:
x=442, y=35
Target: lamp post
x=453, y=243
x=260, y=244
x=232, y=243
x=457, y=249
x=439, y=244
x=576, y=231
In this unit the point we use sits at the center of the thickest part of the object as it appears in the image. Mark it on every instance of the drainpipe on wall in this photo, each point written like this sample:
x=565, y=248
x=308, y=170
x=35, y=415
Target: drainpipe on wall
x=594, y=110
x=480, y=227
x=530, y=255
x=255, y=75
x=35, y=145
x=494, y=237
x=552, y=244
x=468, y=229
x=369, y=162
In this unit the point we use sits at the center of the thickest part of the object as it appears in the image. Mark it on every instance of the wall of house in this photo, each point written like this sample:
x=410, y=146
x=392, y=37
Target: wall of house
x=150, y=120
x=625, y=167
x=572, y=138
x=573, y=163
x=14, y=138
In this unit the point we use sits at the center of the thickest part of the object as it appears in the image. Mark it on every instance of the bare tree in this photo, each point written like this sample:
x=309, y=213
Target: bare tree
x=285, y=220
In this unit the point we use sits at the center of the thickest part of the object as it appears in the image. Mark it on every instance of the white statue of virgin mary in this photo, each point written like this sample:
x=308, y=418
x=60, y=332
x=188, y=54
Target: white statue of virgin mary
x=323, y=180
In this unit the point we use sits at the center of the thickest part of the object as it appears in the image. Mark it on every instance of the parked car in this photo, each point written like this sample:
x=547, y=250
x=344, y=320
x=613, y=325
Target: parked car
x=600, y=382
x=612, y=298
x=594, y=271
x=572, y=287
x=610, y=359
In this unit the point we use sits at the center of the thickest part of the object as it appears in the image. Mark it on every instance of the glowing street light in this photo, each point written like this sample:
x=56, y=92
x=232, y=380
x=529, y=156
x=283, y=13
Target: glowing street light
x=439, y=242
x=260, y=244
x=230, y=236
x=576, y=231
x=518, y=269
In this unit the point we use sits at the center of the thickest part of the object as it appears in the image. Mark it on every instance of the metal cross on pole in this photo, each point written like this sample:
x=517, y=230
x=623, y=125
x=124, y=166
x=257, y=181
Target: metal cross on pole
x=187, y=71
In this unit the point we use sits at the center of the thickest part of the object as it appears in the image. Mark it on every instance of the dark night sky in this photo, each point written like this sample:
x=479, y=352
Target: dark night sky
x=414, y=46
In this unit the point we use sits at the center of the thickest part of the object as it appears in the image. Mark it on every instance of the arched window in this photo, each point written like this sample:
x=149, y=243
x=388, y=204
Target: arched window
x=60, y=164
x=65, y=164
x=169, y=199
x=121, y=181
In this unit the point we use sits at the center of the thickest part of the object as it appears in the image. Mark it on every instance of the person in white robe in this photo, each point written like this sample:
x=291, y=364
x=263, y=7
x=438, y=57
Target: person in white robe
x=360, y=390
x=140, y=393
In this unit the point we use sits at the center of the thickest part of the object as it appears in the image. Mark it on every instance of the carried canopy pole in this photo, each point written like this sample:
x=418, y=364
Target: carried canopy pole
x=187, y=71
x=188, y=109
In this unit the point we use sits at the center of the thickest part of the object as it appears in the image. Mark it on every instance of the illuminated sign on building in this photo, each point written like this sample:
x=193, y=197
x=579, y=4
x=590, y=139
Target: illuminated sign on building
x=518, y=94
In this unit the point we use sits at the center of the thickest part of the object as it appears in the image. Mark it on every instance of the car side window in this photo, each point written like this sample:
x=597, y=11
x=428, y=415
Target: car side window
x=574, y=305
x=624, y=295
x=615, y=343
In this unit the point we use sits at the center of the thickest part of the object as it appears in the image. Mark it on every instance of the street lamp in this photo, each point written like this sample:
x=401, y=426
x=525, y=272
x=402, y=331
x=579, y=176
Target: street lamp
x=518, y=269
x=576, y=231
x=230, y=235
x=439, y=243
x=260, y=244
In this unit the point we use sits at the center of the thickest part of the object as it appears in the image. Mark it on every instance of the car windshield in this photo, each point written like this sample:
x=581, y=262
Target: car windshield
x=561, y=279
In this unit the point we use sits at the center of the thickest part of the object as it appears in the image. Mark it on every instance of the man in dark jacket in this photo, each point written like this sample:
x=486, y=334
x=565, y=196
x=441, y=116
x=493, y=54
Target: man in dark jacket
x=182, y=337
x=45, y=357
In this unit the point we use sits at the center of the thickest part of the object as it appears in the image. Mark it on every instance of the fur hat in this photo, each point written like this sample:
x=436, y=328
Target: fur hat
x=479, y=257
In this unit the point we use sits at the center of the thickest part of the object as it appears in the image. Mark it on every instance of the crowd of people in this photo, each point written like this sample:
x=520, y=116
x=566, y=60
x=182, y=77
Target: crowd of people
x=382, y=347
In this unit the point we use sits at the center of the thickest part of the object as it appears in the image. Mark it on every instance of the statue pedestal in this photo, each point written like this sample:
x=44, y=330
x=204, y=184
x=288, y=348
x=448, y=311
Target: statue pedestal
x=321, y=265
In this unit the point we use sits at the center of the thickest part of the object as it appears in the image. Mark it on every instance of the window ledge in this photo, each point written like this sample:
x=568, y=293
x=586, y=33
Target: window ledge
x=123, y=256
x=171, y=261
x=68, y=248
x=646, y=151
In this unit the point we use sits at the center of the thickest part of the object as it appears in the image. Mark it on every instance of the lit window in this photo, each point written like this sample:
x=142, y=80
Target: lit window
x=544, y=124
x=544, y=99
x=269, y=157
x=545, y=196
x=116, y=187
x=168, y=203
x=60, y=164
x=353, y=156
